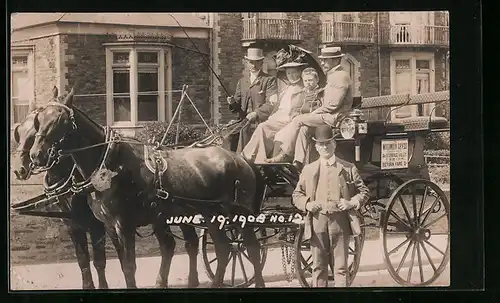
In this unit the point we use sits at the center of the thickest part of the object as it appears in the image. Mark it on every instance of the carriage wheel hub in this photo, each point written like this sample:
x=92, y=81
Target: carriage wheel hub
x=421, y=234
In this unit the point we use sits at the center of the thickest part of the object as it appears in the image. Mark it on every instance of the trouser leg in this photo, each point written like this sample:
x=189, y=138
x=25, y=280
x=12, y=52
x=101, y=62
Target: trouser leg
x=320, y=247
x=339, y=241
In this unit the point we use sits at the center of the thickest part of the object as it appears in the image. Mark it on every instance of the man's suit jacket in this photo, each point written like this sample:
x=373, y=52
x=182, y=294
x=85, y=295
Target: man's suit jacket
x=351, y=188
x=257, y=94
x=337, y=95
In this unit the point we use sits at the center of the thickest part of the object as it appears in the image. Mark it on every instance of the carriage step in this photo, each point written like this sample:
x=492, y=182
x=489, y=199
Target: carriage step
x=370, y=225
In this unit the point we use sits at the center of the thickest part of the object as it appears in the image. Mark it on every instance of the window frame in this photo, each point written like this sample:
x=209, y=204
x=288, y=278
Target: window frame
x=28, y=52
x=413, y=57
x=163, y=68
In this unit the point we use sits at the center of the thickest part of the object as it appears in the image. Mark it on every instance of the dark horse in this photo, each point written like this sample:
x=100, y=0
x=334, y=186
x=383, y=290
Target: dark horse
x=207, y=180
x=82, y=218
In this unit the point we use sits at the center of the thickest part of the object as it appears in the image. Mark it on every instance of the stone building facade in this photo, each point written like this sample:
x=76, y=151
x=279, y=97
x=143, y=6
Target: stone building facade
x=117, y=61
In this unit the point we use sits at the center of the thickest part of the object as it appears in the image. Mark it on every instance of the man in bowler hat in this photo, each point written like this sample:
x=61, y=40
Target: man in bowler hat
x=255, y=93
x=330, y=190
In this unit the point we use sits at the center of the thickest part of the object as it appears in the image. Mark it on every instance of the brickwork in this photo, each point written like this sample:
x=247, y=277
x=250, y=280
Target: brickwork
x=230, y=56
x=85, y=68
x=189, y=67
x=46, y=73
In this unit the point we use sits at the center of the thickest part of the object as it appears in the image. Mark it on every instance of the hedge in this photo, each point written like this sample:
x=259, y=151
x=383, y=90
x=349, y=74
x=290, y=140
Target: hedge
x=156, y=130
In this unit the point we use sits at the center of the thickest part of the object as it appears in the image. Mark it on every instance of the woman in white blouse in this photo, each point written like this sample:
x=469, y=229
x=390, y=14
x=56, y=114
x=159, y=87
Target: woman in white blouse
x=288, y=105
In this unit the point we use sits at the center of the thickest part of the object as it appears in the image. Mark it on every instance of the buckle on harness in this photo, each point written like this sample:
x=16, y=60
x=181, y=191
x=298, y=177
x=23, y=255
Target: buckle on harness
x=160, y=193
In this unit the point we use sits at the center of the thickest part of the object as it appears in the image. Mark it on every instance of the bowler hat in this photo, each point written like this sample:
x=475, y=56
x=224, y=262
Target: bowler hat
x=331, y=52
x=254, y=54
x=324, y=133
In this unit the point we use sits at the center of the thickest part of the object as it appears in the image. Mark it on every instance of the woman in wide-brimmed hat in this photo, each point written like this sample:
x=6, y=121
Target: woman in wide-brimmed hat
x=289, y=62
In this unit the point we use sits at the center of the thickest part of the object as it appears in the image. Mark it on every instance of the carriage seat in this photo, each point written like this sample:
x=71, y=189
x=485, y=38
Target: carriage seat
x=422, y=123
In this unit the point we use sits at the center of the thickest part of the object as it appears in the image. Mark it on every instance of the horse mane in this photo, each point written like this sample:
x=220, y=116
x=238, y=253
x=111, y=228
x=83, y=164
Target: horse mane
x=87, y=118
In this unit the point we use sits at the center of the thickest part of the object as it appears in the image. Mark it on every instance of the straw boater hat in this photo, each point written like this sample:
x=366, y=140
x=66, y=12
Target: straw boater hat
x=254, y=54
x=331, y=52
x=324, y=133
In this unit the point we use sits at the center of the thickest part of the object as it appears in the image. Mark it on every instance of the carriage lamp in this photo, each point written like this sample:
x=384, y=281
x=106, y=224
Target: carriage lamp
x=348, y=128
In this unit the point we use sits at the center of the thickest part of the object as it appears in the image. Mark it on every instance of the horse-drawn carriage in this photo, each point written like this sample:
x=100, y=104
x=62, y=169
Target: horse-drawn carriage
x=405, y=205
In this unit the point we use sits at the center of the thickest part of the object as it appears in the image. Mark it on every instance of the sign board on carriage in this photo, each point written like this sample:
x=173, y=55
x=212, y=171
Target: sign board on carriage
x=394, y=154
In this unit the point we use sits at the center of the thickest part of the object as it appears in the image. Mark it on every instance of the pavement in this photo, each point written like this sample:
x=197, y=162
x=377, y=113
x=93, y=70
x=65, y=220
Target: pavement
x=372, y=270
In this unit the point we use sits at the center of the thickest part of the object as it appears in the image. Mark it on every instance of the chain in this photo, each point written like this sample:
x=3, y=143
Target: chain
x=288, y=258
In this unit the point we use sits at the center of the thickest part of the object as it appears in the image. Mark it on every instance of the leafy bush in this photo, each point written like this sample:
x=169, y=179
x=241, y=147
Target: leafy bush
x=437, y=152
x=157, y=130
x=440, y=174
x=437, y=141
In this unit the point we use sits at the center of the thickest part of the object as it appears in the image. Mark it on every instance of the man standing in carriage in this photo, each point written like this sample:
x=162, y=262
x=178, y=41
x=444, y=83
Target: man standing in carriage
x=254, y=93
x=329, y=191
x=336, y=101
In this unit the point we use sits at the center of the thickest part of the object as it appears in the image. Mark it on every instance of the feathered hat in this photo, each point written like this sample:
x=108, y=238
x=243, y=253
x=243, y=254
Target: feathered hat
x=296, y=56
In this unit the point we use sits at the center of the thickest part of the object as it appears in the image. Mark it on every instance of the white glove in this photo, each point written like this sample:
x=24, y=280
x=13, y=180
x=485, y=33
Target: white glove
x=251, y=116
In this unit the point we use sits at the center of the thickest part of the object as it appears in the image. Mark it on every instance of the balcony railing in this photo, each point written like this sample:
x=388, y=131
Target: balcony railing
x=271, y=29
x=355, y=32
x=414, y=35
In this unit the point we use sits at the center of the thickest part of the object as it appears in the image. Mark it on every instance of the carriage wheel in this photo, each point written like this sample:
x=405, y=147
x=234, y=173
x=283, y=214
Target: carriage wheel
x=304, y=258
x=417, y=216
x=238, y=258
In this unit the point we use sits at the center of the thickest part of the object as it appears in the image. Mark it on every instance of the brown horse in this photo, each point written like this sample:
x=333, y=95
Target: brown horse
x=209, y=181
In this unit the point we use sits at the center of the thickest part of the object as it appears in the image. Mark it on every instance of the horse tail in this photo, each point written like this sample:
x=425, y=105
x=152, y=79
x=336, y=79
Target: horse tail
x=260, y=187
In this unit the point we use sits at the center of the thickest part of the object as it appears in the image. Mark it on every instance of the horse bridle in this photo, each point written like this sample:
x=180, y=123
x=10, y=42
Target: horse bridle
x=55, y=152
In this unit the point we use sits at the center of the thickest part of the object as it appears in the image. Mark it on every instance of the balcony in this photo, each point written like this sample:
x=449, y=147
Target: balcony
x=416, y=35
x=347, y=32
x=255, y=29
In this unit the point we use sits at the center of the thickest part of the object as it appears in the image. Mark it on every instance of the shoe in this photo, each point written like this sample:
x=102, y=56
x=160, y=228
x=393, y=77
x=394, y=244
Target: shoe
x=281, y=158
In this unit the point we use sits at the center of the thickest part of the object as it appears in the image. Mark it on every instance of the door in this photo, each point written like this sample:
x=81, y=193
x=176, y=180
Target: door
x=403, y=83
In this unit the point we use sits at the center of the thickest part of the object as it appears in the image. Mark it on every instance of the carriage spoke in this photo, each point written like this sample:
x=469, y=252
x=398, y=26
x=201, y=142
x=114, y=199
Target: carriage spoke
x=233, y=269
x=421, y=270
x=407, y=213
x=414, y=205
x=429, y=210
x=422, y=204
x=246, y=256
x=400, y=220
x=433, y=246
x=243, y=268
x=428, y=257
x=398, y=247
x=434, y=221
x=309, y=265
x=212, y=261
x=404, y=257
x=410, y=269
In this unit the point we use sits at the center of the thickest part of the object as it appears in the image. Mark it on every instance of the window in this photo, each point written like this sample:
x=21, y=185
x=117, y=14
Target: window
x=412, y=73
x=138, y=81
x=22, y=84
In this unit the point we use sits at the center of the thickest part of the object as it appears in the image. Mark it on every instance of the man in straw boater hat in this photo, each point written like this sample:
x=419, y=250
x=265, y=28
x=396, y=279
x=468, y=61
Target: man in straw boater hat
x=329, y=191
x=337, y=99
x=253, y=91
x=288, y=104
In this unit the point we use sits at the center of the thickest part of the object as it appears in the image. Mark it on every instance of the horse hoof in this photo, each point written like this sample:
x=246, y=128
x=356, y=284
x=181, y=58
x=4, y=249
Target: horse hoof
x=103, y=286
x=193, y=283
x=260, y=285
x=89, y=286
x=161, y=285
